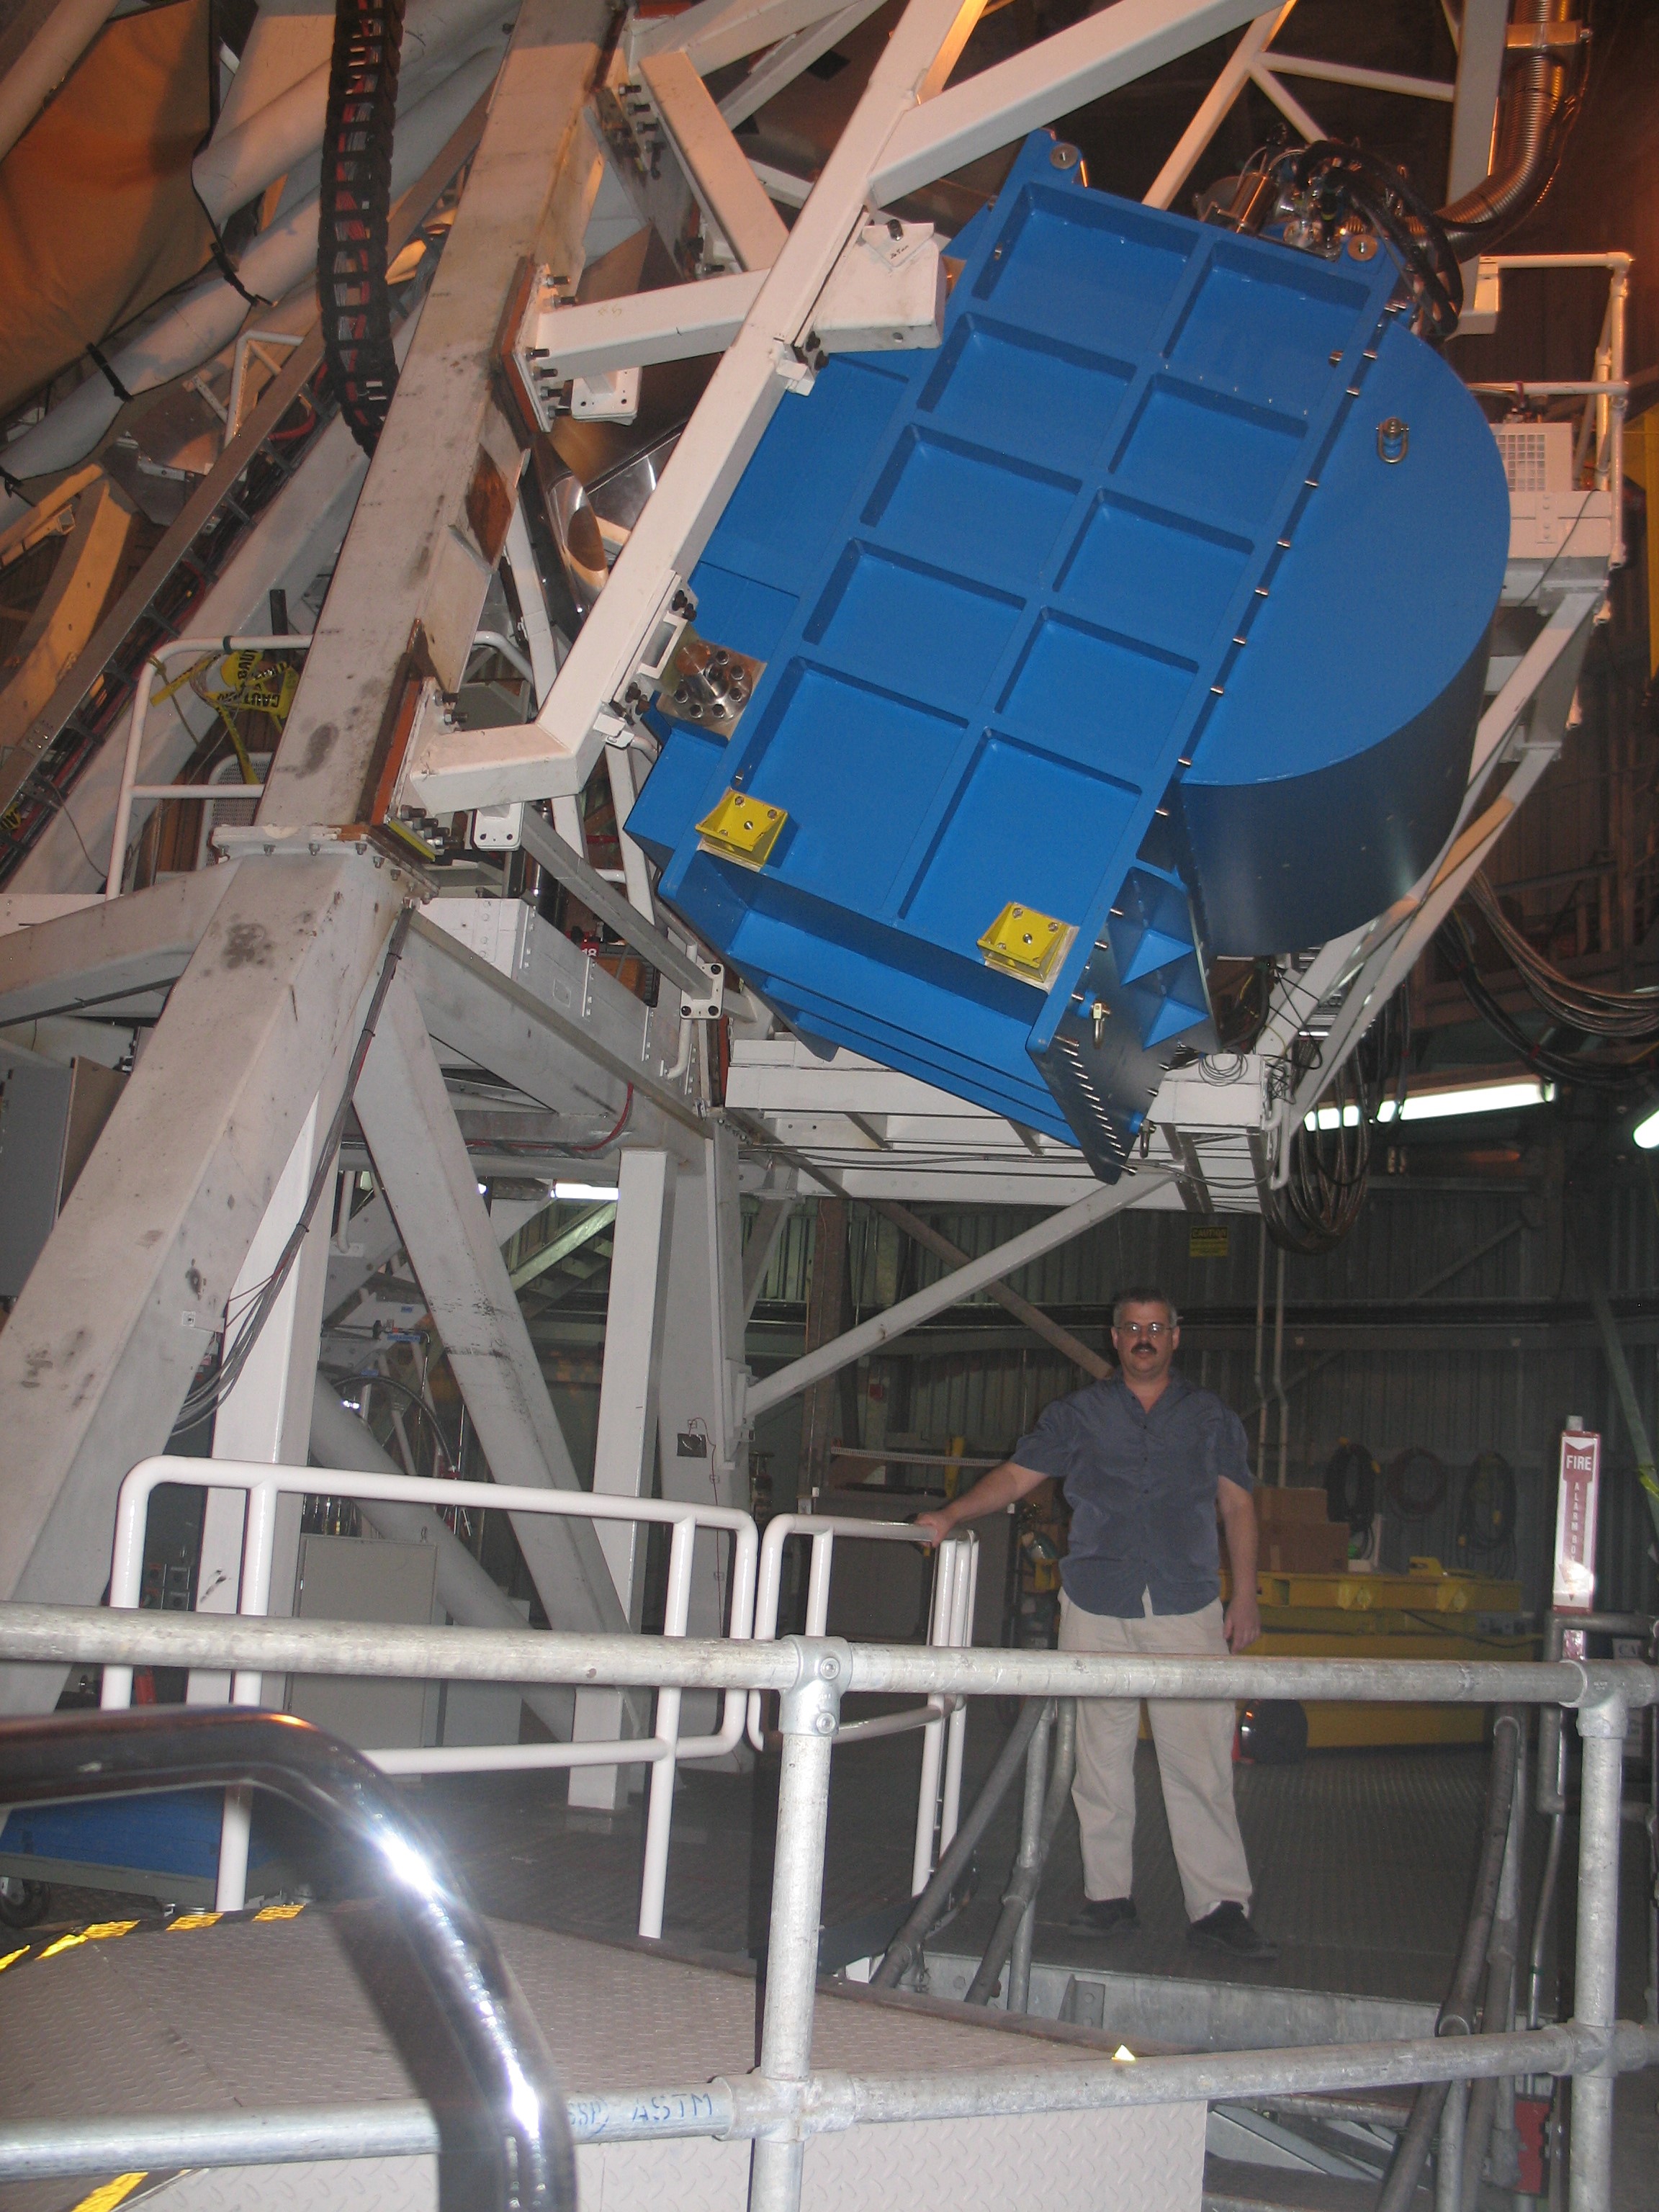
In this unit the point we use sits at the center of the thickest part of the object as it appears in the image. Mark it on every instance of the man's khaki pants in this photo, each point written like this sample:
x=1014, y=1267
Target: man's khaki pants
x=1195, y=1760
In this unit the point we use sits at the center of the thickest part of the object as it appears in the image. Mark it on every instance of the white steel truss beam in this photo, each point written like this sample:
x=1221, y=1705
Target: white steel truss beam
x=675, y=323
x=434, y=512
x=719, y=32
x=625, y=1449
x=107, y=956
x=788, y=59
x=421, y=1162
x=719, y=171
x=1075, y=66
x=563, y=1031
x=734, y=410
x=1215, y=107
x=1004, y=1260
x=123, y=1303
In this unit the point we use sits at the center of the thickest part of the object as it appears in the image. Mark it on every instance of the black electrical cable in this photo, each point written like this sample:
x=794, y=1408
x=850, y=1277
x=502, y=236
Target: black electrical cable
x=1416, y=1484
x=1487, y=1507
x=1332, y=180
x=1624, y=1017
x=1351, y=1485
x=353, y=207
x=1452, y=941
x=233, y=1356
x=1329, y=1165
x=1457, y=2013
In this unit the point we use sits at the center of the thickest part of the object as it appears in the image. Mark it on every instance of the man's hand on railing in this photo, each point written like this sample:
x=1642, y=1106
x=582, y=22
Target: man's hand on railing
x=936, y=1527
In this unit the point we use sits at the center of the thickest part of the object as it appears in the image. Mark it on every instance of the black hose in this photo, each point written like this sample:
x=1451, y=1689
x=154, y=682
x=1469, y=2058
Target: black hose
x=1457, y=2013
x=928, y=1908
x=1024, y=1882
x=354, y=208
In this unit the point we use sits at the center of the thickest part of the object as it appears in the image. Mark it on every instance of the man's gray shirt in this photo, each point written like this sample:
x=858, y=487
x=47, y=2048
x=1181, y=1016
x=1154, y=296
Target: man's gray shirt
x=1142, y=1490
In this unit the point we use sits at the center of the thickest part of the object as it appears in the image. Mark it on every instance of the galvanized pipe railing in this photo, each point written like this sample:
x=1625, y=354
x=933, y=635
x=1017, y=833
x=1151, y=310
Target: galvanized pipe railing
x=747, y=2109
x=786, y=2102
x=49, y=1634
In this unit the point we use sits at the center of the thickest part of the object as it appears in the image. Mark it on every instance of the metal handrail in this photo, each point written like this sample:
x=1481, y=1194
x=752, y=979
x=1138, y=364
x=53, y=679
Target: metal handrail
x=950, y=1624
x=662, y=1751
x=813, y=1675
x=518, y=2146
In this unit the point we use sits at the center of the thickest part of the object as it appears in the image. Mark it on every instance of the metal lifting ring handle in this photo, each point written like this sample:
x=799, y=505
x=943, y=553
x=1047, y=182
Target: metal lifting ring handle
x=517, y=2143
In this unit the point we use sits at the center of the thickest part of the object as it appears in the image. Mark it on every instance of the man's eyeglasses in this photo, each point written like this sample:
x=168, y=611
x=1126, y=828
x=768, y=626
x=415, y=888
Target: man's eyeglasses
x=1152, y=1329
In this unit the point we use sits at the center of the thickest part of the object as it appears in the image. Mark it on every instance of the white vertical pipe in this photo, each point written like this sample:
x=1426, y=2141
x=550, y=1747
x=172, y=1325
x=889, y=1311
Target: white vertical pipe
x=818, y=1581
x=659, y=1814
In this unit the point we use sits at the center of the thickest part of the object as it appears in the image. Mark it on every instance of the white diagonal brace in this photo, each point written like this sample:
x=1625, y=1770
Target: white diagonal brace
x=123, y=1301
x=789, y=57
x=673, y=324
x=1061, y=73
x=93, y=960
x=1287, y=102
x=625, y=1452
x=717, y=32
x=717, y=444
x=428, y=529
x=421, y=1162
x=961, y=1283
x=712, y=160
x=1215, y=107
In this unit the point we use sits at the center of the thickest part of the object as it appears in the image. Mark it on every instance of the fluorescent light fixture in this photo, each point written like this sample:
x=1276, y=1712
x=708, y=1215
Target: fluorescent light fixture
x=598, y=1191
x=1645, y=1135
x=1469, y=1098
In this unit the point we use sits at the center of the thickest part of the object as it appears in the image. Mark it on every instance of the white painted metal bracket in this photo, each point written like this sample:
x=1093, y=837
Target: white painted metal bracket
x=886, y=292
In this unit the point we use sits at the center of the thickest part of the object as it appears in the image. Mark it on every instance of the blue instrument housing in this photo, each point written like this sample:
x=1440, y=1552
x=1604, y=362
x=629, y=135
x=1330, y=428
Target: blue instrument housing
x=1117, y=608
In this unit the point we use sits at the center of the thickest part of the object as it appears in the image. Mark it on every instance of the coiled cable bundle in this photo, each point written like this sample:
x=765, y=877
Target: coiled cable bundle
x=1486, y=1514
x=355, y=204
x=1417, y=1484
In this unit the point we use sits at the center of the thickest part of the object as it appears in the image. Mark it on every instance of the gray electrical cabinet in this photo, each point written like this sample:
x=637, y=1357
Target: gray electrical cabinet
x=364, y=1578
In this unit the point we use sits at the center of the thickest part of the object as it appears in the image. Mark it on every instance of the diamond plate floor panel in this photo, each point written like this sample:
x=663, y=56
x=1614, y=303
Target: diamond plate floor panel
x=251, y=2014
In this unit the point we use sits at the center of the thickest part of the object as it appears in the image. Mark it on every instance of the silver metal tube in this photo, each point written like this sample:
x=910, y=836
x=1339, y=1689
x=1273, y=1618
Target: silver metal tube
x=840, y=2101
x=807, y=1717
x=1030, y=1831
x=55, y=2150
x=1596, y=1980
x=48, y=1633
x=1449, y=2150
x=37, y=2150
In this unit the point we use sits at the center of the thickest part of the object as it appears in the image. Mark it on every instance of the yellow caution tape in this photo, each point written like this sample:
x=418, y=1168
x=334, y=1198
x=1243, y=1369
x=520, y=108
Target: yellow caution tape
x=280, y=1911
x=12, y=1957
x=109, y=2194
x=194, y=1920
x=99, y=1932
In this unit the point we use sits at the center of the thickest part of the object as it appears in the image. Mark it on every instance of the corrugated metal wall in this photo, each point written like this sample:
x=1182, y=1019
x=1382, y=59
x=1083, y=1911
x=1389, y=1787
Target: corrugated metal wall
x=1457, y=1256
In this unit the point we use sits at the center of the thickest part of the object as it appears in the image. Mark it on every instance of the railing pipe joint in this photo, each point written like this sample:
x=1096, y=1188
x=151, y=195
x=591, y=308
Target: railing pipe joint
x=811, y=1705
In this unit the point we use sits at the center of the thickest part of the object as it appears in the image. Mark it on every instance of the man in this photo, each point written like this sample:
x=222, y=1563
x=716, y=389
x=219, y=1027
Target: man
x=1147, y=1463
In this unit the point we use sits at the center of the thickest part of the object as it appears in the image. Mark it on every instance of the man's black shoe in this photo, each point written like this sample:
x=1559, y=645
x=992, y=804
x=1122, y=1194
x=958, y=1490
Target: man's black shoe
x=1227, y=1929
x=1108, y=1916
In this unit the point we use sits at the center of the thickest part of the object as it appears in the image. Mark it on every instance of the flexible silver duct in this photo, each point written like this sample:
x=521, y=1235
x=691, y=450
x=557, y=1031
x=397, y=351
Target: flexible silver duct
x=1527, y=120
